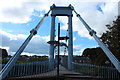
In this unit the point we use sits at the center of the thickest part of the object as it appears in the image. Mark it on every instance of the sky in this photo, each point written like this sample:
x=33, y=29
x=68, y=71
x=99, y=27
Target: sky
x=18, y=17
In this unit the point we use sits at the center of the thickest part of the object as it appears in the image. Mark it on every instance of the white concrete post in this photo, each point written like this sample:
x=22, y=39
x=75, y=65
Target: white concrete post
x=70, y=43
x=52, y=38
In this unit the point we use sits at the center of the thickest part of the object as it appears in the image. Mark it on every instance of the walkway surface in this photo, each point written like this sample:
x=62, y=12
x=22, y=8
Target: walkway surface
x=62, y=72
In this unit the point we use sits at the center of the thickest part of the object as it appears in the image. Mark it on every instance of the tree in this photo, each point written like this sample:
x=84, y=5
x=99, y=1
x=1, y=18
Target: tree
x=96, y=55
x=91, y=53
x=3, y=53
x=111, y=37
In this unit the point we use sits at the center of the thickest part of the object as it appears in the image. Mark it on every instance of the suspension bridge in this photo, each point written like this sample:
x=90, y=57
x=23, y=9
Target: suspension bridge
x=50, y=69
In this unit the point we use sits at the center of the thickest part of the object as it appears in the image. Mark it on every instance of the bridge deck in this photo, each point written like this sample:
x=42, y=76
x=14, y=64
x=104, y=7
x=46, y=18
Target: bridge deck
x=62, y=72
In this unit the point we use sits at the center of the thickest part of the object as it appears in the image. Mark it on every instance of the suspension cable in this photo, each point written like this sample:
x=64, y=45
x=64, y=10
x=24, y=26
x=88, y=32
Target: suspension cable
x=11, y=62
x=109, y=54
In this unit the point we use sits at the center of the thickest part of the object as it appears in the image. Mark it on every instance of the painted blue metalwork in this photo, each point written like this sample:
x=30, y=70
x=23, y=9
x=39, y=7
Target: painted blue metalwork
x=11, y=62
x=63, y=11
x=33, y=68
x=52, y=38
x=103, y=72
x=109, y=54
x=70, y=43
x=56, y=11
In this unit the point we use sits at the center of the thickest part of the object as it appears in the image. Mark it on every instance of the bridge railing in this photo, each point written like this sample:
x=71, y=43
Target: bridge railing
x=26, y=69
x=97, y=71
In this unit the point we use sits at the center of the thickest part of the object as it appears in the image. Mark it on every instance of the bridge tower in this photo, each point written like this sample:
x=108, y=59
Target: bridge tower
x=61, y=11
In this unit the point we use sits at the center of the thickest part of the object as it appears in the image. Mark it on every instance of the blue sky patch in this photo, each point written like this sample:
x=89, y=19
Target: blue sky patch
x=99, y=6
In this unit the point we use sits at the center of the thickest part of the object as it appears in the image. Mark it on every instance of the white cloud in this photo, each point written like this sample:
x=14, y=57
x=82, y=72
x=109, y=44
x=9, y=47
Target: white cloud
x=10, y=36
x=7, y=48
x=14, y=11
x=20, y=11
x=77, y=50
x=38, y=44
x=31, y=54
x=96, y=19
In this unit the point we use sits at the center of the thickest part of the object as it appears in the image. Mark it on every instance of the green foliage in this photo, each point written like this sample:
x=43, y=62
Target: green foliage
x=85, y=70
x=112, y=37
x=95, y=54
x=32, y=60
x=4, y=61
x=3, y=53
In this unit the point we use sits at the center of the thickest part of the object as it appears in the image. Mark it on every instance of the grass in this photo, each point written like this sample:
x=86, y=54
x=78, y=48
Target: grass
x=85, y=70
x=4, y=61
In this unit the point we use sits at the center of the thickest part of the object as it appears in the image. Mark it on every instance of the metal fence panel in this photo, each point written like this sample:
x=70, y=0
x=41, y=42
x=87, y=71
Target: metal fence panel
x=25, y=69
x=97, y=71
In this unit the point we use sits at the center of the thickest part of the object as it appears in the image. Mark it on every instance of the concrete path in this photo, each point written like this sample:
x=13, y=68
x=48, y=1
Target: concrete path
x=62, y=72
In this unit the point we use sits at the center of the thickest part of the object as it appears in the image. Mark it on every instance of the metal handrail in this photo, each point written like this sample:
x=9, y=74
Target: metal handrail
x=109, y=54
x=11, y=62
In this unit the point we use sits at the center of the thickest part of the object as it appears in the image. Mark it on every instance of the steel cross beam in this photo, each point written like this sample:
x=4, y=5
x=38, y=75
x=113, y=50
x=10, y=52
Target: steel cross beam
x=11, y=62
x=109, y=54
